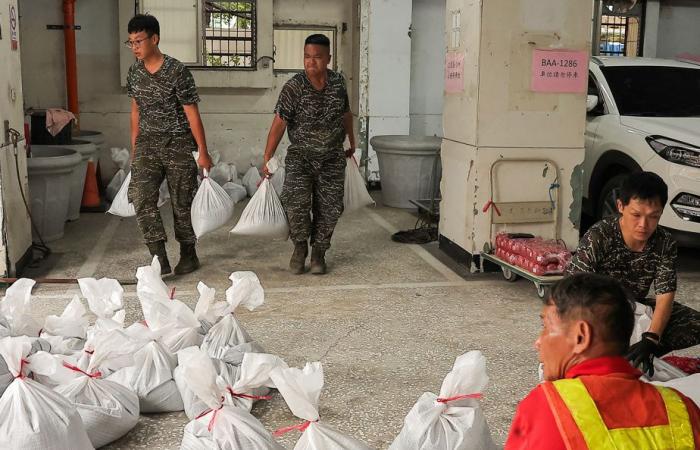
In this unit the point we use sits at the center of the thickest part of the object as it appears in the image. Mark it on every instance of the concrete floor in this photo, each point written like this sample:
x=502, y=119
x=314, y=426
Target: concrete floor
x=387, y=322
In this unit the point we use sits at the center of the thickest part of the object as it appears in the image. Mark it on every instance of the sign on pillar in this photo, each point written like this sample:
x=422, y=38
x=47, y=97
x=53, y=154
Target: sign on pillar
x=560, y=71
x=13, y=27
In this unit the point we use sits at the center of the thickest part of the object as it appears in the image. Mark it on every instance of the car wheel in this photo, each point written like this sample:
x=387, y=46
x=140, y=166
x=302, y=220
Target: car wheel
x=607, y=201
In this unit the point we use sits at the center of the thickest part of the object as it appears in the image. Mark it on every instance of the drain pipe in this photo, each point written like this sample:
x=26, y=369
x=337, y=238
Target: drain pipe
x=71, y=63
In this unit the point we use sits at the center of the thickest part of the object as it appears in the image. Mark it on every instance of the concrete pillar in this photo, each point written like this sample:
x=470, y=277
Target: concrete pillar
x=385, y=72
x=15, y=232
x=494, y=115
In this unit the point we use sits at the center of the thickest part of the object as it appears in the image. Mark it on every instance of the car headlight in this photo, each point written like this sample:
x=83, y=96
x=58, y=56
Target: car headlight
x=675, y=151
x=687, y=206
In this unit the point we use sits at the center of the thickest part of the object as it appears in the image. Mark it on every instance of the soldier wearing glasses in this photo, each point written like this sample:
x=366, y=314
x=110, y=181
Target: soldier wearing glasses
x=165, y=129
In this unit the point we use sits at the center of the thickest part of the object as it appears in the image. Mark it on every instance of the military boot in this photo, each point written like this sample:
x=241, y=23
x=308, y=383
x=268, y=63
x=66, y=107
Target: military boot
x=318, y=261
x=158, y=249
x=301, y=251
x=188, y=259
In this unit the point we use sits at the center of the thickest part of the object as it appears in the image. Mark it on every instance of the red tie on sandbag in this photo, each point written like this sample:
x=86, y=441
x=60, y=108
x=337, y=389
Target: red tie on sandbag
x=248, y=396
x=301, y=427
x=22, y=363
x=96, y=374
x=213, y=417
x=459, y=397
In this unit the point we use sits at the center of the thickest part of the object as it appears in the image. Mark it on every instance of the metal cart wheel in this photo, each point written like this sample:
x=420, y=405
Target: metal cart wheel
x=541, y=290
x=509, y=275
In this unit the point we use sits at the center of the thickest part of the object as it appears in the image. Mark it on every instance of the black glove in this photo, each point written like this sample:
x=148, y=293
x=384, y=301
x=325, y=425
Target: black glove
x=642, y=353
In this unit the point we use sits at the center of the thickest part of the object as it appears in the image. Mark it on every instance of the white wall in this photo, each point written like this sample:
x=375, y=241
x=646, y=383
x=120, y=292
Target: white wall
x=427, y=67
x=15, y=232
x=236, y=119
x=679, y=28
x=385, y=71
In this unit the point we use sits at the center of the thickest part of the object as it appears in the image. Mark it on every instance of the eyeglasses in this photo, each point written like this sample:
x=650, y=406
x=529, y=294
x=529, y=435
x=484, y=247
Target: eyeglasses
x=136, y=43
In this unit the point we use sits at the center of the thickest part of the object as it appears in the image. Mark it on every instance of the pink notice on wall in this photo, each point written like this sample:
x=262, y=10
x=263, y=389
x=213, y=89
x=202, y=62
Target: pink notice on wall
x=562, y=71
x=454, y=72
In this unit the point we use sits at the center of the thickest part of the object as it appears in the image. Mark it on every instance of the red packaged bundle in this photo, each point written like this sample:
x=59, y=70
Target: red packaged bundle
x=686, y=364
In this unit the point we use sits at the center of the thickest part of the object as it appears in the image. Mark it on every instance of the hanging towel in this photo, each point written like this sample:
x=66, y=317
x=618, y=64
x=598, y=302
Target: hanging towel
x=57, y=119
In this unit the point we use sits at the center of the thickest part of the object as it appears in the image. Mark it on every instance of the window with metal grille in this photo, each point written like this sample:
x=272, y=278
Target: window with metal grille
x=229, y=33
x=620, y=29
x=207, y=33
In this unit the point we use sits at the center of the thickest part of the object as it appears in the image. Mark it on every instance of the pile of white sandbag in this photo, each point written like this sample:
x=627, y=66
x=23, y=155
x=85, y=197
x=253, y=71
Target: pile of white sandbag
x=78, y=383
x=55, y=394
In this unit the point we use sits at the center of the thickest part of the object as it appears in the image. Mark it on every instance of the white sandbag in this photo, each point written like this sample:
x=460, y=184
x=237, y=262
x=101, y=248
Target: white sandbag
x=688, y=386
x=248, y=382
x=6, y=377
x=120, y=205
x=454, y=419
x=71, y=325
x=356, y=195
x=114, y=184
x=642, y=321
x=171, y=319
x=151, y=376
x=301, y=389
x=207, y=309
x=251, y=181
x=163, y=193
x=120, y=157
x=15, y=309
x=235, y=191
x=211, y=208
x=105, y=300
x=109, y=410
x=264, y=215
x=222, y=425
x=245, y=290
x=276, y=168
x=34, y=417
x=221, y=173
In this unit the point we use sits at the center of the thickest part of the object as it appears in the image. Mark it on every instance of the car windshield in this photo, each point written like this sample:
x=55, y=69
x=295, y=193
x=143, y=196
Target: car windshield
x=655, y=91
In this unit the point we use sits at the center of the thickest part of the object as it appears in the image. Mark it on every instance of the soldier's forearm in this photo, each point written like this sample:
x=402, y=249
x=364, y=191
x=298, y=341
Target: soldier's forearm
x=662, y=313
x=134, y=127
x=274, y=137
x=196, y=125
x=348, y=125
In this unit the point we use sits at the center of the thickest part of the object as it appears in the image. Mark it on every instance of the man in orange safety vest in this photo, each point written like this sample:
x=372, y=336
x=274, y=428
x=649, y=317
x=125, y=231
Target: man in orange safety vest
x=592, y=397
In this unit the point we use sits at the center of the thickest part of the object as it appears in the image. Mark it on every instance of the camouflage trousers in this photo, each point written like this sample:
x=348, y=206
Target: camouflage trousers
x=313, y=195
x=160, y=157
x=682, y=330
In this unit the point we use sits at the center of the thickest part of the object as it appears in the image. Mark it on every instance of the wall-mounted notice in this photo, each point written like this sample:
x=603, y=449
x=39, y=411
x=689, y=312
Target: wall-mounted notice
x=454, y=72
x=562, y=71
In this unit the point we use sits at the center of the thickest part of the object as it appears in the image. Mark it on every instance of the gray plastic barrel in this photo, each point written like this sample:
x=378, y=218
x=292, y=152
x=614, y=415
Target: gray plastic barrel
x=77, y=183
x=50, y=170
x=406, y=167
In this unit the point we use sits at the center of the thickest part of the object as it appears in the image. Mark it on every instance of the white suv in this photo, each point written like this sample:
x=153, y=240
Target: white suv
x=644, y=114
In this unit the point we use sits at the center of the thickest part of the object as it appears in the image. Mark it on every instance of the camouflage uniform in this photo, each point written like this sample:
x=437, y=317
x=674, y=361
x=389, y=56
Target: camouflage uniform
x=315, y=163
x=603, y=250
x=164, y=147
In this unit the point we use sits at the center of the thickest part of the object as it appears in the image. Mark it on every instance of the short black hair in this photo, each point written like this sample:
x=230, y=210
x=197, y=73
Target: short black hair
x=144, y=22
x=318, y=39
x=643, y=186
x=599, y=300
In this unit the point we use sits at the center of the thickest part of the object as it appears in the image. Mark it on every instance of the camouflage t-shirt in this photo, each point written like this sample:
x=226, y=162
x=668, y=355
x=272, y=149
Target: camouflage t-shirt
x=602, y=250
x=314, y=117
x=160, y=96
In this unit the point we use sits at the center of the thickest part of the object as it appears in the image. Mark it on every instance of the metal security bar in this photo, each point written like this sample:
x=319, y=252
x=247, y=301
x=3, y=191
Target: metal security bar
x=618, y=27
x=229, y=34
